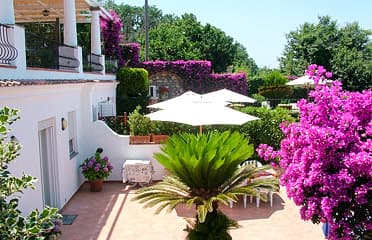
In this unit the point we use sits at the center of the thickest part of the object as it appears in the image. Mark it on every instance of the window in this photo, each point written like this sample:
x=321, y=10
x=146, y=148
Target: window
x=72, y=141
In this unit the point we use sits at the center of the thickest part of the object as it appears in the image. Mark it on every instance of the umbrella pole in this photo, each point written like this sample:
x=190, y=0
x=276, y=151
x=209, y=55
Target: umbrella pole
x=201, y=129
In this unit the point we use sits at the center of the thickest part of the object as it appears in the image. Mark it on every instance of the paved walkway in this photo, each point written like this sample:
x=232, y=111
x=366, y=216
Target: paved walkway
x=111, y=214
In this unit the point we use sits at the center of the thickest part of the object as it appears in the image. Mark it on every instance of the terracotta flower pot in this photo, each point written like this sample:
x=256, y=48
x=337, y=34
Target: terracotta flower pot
x=159, y=138
x=139, y=139
x=96, y=185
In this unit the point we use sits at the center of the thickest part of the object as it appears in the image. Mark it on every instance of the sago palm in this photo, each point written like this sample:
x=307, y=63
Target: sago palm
x=204, y=170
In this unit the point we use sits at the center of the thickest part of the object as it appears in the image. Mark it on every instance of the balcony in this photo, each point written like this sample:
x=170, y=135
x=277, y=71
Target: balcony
x=29, y=54
x=45, y=53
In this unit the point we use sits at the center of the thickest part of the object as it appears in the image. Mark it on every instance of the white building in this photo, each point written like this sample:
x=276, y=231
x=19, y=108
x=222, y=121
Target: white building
x=58, y=106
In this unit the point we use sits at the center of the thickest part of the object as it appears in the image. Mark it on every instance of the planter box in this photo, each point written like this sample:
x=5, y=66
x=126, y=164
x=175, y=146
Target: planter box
x=159, y=138
x=139, y=139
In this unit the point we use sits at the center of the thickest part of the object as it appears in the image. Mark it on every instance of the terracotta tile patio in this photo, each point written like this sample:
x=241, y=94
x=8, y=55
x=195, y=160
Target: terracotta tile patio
x=111, y=214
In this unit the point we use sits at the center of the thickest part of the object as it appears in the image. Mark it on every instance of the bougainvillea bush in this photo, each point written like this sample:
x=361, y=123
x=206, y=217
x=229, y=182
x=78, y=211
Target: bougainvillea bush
x=198, y=77
x=130, y=54
x=327, y=158
x=111, y=29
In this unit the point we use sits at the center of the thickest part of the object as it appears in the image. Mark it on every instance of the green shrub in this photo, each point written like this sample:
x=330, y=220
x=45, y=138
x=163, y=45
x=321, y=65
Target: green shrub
x=276, y=92
x=300, y=92
x=254, y=83
x=266, y=129
x=134, y=82
x=259, y=99
x=129, y=104
x=139, y=124
x=116, y=123
x=274, y=78
x=170, y=128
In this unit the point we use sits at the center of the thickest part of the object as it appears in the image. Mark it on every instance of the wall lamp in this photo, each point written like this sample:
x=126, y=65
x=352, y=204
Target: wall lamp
x=63, y=124
x=45, y=12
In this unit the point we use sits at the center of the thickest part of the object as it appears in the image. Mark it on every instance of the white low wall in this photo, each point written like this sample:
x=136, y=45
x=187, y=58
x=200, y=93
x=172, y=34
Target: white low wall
x=117, y=148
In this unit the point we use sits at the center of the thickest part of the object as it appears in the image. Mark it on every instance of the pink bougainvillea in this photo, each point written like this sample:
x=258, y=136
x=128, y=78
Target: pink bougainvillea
x=327, y=158
x=111, y=29
x=198, y=77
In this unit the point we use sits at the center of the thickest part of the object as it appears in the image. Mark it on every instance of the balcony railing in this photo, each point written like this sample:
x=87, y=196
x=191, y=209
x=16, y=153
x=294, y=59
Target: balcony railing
x=92, y=62
x=8, y=53
x=46, y=53
x=111, y=65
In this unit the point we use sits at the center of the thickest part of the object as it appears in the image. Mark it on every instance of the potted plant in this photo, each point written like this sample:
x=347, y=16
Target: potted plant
x=139, y=127
x=95, y=169
x=157, y=133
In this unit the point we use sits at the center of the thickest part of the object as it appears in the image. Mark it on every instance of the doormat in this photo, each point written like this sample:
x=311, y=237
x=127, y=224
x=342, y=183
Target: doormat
x=68, y=219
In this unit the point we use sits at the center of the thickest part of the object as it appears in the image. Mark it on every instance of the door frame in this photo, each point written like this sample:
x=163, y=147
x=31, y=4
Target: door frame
x=50, y=126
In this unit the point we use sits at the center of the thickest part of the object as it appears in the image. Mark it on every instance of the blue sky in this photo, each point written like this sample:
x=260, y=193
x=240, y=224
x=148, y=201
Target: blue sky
x=261, y=25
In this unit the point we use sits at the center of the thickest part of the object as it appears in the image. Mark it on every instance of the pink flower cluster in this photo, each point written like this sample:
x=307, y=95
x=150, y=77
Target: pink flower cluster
x=198, y=77
x=327, y=158
x=268, y=154
x=317, y=73
x=111, y=29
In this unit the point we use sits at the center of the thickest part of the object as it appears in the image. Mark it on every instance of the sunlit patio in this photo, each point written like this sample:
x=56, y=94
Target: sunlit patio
x=111, y=214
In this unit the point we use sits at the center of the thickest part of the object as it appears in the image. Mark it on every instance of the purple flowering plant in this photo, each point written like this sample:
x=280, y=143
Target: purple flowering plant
x=96, y=167
x=111, y=29
x=327, y=158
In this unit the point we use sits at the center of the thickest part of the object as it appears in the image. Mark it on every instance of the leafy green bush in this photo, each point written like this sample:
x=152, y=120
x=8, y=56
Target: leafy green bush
x=276, y=92
x=254, y=83
x=300, y=92
x=129, y=104
x=274, y=78
x=275, y=88
x=116, y=123
x=13, y=226
x=134, y=82
x=266, y=129
x=170, y=128
x=139, y=125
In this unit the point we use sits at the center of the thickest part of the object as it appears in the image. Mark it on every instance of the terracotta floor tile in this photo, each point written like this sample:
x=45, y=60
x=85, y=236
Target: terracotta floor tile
x=111, y=214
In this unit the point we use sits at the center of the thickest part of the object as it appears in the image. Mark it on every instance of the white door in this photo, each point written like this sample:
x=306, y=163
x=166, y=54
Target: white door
x=48, y=163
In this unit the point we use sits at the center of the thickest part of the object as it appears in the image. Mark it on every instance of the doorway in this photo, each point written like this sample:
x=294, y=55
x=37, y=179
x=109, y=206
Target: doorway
x=48, y=163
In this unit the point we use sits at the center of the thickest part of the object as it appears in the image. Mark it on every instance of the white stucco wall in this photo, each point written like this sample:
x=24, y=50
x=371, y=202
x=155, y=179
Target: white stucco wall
x=37, y=103
x=117, y=149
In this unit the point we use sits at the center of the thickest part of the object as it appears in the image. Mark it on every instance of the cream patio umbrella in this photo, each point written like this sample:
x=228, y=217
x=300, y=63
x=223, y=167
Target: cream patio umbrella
x=306, y=81
x=199, y=113
x=186, y=97
x=227, y=96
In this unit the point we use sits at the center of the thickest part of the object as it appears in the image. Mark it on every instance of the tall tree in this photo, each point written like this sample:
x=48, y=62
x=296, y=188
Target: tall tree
x=174, y=38
x=134, y=19
x=345, y=51
x=243, y=62
x=217, y=47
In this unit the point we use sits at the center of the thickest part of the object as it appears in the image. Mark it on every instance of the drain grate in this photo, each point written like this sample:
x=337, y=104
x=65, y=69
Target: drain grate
x=68, y=219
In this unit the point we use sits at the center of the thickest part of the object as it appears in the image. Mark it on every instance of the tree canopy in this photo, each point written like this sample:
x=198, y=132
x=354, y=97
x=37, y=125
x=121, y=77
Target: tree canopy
x=346, y=51
x=182, y=38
